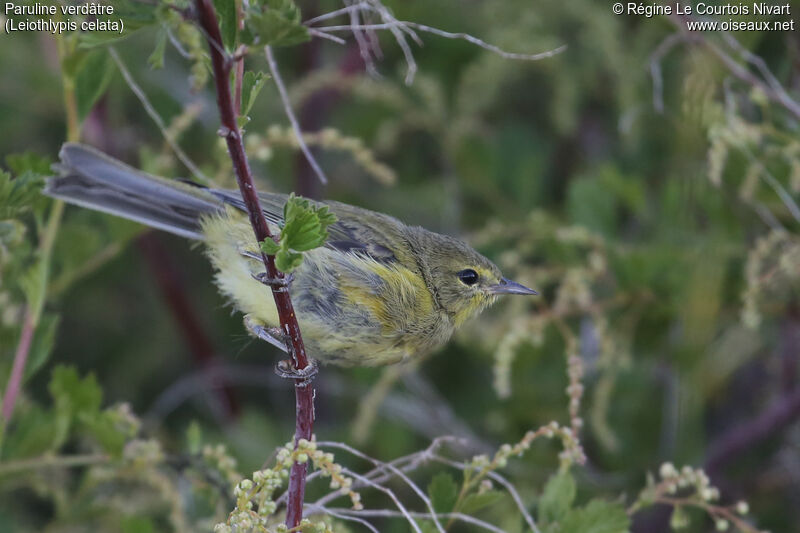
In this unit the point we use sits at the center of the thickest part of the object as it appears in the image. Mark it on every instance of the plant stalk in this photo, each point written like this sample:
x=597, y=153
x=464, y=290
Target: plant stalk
x=304, y=394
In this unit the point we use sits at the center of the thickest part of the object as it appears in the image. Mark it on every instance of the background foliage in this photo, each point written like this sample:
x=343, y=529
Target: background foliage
x=647, y=191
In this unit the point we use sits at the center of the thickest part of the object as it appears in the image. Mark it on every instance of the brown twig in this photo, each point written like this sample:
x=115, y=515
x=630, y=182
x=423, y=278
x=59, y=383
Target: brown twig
x=304, y=392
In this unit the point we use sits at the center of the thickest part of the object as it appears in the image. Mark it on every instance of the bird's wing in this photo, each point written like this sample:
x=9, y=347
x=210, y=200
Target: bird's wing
x=356, y=230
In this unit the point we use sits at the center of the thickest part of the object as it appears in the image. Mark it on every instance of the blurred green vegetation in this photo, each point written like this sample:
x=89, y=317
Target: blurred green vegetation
x=651, y=220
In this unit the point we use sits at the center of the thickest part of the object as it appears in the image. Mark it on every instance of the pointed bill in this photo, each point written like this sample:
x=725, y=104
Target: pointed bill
x=506, y=286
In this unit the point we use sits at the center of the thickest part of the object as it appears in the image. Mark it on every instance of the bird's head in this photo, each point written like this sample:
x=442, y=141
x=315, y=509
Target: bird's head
x=463, y=281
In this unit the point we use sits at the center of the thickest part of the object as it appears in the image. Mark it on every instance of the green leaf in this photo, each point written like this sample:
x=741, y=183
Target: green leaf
x=477, y=501
x=92, y=79
x=103, y=427
x=226, y=13
x=67, y=388
x=156, y=59
x=12, y=234
x=305, y=225
x=73, y=397
x=287, y=261
x=20, y=193
x=270, y=247
x=252, y=83
x=559, y=493
x=443, y=492
x=278, y=25
x=70, y=392
x=34, y=433
x=597, y=517
x=304, y=228
x=29, y=162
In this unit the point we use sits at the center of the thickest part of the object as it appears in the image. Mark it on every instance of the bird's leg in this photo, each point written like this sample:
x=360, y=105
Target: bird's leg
x=284, y=368
x=274, y=336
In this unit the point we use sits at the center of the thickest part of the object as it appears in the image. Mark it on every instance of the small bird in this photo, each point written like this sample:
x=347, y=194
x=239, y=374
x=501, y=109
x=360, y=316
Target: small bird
x=378, y=292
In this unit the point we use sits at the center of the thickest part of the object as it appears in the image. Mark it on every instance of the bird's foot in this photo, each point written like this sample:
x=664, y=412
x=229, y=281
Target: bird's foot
x=275, y=337
x=278, y=284
x=304, y=376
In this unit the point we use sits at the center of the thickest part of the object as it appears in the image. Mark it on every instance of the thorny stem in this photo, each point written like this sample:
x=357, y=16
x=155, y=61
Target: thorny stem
x=304, y=393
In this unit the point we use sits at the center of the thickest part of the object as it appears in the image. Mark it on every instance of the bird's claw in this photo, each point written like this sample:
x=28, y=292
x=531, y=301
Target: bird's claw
x=304, y=376
x=278, y=284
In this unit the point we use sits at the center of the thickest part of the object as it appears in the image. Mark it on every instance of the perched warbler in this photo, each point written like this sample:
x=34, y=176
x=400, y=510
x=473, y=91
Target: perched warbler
x=378, y=292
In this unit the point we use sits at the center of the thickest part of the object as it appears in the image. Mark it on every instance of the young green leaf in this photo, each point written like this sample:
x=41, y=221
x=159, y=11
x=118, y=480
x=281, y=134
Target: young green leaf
x=559, y=493
x=287, y=261
x=252, y=83
x=270, y=247
x=17, y=194
x=104, y=428
x=304, y=227
x=73, y=393
x=597, y=517
x=73, y=397
x=443, y=492
x=226, y=13
x=35, y=432
x=278, y=25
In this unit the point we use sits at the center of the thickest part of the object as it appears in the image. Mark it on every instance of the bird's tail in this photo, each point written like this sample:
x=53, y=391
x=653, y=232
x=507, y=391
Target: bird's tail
x=89, y=178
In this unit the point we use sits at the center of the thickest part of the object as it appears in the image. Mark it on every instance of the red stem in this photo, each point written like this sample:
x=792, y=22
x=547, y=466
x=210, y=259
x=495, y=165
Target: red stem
x=304, y=394
x=17, y=371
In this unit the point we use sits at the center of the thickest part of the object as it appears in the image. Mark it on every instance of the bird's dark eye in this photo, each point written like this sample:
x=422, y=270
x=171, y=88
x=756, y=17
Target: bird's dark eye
x=468, y=277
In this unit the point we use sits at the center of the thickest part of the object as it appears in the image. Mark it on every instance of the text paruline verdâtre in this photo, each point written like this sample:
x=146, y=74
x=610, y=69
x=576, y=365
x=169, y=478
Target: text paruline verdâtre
x=57, y=19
